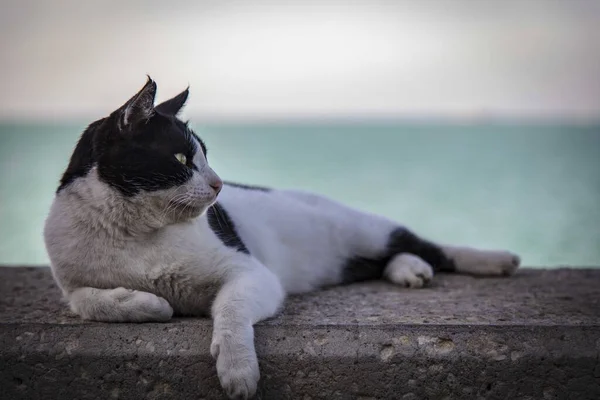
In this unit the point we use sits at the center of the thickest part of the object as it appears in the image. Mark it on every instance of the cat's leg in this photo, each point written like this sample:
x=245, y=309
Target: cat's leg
x=482, y=262
x=394, y=253
x=464, y=260
x=379, y=247
x=406, y=259
x=246, y=298
x=119, y=305
x=410, y=270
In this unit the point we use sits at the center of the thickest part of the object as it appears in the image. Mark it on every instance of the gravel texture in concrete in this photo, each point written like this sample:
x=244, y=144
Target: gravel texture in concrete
x=535, y=335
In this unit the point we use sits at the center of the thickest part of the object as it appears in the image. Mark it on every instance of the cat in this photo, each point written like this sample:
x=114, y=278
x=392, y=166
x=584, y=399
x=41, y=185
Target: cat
x=141, y=228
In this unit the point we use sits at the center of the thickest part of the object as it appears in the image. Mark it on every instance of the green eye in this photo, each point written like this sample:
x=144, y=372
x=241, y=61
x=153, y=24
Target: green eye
x=181, y=158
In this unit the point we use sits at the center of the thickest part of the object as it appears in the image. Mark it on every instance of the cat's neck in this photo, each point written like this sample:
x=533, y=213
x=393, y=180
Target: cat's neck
x=101, y=208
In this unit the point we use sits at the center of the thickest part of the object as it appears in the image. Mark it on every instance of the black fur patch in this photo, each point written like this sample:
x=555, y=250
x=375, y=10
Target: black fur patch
x=401, y=240
x=134, y=161
x=82, y=158
x=248, y=187
x=222, y=225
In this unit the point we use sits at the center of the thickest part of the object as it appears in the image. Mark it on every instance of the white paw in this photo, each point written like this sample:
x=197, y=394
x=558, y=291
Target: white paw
x=408, y=270
x=237, y=365
x=497, y=263
x=143, y=306
x=483, y=262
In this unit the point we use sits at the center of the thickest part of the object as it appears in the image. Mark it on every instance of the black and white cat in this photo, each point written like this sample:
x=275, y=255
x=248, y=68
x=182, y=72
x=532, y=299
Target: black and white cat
x=136, y=233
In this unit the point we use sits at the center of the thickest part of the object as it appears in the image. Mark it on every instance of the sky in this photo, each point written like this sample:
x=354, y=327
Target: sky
x=303, y=59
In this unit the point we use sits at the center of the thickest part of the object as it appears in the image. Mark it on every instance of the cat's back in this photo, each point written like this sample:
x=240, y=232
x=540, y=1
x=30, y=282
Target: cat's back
x=255, y=208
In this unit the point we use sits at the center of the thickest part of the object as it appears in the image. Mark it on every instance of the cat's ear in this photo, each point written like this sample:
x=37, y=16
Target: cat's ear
x=173, y=106
x=137, y=109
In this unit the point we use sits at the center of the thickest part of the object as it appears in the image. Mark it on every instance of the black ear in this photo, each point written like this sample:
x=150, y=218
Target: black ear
x=139, y=108
x=174, y=105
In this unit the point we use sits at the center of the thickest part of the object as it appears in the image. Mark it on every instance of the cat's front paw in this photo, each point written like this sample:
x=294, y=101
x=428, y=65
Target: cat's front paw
x=237, y=365
x=408, y=270
x=143, y=306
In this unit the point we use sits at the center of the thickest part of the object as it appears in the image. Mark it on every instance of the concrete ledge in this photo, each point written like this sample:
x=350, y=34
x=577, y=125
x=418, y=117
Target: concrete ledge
x=533, y=336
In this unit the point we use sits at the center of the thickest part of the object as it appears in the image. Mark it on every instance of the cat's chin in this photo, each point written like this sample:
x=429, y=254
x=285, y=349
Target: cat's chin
x=183, y=212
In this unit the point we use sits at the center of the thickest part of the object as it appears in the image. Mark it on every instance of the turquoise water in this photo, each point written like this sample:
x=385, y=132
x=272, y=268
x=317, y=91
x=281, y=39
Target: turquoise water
x=530, y=188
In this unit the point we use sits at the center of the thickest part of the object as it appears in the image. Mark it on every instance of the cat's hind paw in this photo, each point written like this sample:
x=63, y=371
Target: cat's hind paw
x=408, y=270
x=484, y=262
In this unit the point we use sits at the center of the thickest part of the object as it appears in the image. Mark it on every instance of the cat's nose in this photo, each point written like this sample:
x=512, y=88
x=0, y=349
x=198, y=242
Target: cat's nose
x=216, y=185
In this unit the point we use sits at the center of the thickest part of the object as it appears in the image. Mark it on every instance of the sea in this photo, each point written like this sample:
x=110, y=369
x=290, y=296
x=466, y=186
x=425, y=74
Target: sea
x=533, y=188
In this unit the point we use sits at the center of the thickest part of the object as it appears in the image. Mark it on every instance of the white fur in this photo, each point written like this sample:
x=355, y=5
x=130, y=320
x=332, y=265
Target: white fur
x=140, y=258
x=483, y=262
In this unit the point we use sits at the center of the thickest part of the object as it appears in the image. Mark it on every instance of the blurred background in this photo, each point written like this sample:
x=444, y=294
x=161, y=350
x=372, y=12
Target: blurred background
x=473, y=122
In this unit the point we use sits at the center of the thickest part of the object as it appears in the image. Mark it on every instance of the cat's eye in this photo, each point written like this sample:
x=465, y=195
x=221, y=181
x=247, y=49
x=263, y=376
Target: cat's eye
x=181, y=158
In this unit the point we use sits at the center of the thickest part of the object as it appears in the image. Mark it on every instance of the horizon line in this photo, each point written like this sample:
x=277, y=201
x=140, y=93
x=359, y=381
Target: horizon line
x=239, y=119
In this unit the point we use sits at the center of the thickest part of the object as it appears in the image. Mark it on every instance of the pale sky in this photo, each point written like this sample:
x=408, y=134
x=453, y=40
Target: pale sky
x=279, y=59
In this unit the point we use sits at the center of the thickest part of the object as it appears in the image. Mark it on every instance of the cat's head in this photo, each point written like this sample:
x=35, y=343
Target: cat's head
x=145, y=156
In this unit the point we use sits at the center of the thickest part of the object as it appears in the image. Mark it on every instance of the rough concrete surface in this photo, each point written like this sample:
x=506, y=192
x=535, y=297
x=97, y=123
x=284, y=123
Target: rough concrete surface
x=532, y=336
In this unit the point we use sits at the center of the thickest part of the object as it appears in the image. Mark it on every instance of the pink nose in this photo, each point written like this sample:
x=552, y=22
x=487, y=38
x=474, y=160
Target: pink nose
x=217, y=185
